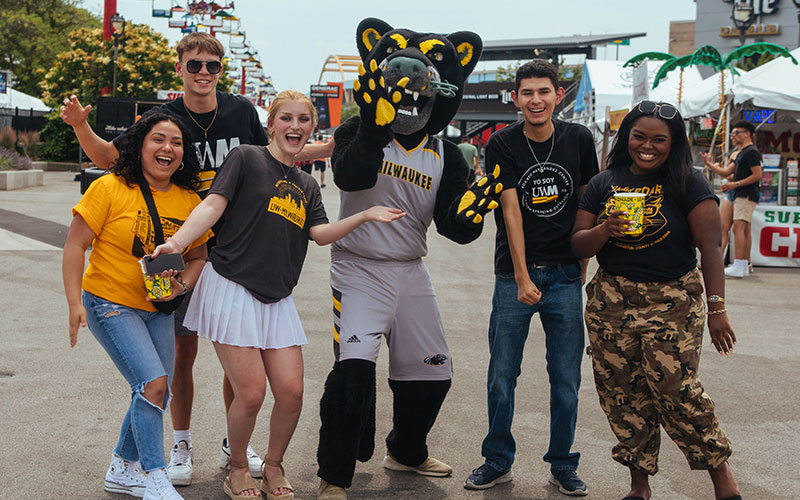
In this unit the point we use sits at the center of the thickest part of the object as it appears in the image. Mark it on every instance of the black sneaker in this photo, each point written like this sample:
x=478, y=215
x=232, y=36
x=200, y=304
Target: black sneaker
x=486, y=476
x=568, y=482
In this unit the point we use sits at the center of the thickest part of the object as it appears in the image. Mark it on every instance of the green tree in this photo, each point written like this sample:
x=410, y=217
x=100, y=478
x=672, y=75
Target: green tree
x=33, y=32
x=349, y=110
x=145, y=64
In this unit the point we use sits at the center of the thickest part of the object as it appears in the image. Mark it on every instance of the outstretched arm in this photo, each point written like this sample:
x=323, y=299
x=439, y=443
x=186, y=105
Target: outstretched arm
x=324, y=234
x=101, y=152
x=460, y=209
x=204, y=215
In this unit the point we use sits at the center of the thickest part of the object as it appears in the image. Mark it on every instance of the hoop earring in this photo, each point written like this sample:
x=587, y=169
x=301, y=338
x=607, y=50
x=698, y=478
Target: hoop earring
x=181, y=167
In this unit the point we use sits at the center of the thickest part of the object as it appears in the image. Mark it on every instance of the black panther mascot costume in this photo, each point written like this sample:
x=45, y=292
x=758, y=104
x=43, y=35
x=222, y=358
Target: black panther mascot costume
x=410, y=87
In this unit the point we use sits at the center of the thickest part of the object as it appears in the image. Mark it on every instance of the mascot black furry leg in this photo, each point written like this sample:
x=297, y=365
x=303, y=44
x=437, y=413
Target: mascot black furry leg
x=409, y=88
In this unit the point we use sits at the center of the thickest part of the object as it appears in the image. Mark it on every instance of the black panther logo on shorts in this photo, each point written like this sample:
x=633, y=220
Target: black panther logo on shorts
x=436, y=359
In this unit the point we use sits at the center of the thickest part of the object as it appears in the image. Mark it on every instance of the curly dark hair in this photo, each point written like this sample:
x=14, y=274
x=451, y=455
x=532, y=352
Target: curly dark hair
x=129, y=164
x=677, y=169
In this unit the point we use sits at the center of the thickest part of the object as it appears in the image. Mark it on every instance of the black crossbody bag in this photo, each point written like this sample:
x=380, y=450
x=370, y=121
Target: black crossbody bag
x=169, y=306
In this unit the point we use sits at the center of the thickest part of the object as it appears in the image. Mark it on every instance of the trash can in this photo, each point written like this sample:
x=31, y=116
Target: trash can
x=88, y=175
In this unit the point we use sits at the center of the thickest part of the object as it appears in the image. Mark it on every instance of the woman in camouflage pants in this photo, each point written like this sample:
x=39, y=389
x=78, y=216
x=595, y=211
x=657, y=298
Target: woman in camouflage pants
x=645, y=311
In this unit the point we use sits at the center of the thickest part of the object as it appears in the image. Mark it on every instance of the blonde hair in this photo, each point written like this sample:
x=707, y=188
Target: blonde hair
x=285, y=97
x=203, y=42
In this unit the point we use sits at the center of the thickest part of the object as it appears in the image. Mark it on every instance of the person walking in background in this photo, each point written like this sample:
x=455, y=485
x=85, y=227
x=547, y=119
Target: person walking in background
x=244, y=302
x=112, y=217
x=544, y=166
x=645, y=311
x=747, y=173
x=726, y=205
x=470, y=153
x=320, y=163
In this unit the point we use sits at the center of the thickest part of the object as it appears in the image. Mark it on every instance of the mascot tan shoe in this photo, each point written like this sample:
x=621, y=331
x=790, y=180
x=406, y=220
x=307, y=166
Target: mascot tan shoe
x=329, y=491
x=430, y=467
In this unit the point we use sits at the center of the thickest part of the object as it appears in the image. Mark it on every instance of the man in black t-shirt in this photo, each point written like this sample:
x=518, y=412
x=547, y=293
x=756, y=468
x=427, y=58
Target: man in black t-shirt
x=219, y=122
x=545, y=165
x=745, y=185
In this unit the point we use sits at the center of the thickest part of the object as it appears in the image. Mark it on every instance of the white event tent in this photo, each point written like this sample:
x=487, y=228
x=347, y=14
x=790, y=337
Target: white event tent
x=613, y=86
x=773, y=85
x=15, y=99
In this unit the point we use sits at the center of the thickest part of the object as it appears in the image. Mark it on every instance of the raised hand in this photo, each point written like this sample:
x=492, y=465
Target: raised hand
x=73, y=113
x=480, y=198
x=376, y=103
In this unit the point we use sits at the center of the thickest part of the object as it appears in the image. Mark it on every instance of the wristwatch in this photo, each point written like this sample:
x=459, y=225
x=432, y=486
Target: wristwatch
x=736, y=184
x=715, y=299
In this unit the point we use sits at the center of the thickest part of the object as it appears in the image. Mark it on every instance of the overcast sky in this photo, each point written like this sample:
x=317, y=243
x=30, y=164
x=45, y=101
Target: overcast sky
x=294, y=37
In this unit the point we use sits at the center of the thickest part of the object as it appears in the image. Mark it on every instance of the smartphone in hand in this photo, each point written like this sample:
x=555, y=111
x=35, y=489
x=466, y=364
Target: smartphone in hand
x=163, y=262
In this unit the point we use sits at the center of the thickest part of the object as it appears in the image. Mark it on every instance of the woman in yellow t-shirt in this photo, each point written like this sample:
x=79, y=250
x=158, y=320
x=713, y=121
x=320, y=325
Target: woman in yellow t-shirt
x=111, y=298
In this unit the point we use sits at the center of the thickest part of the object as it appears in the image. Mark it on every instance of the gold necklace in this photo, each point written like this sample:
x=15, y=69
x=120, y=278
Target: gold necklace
x=285, y=170
x=204, y=129
x=552, y=143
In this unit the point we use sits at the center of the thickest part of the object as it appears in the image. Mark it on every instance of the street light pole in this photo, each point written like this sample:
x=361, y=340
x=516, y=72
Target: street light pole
x=117, y=23
x=743, y=17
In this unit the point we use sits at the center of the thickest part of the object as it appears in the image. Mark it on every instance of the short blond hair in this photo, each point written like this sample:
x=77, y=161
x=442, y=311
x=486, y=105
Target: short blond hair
x=285, y=97
x=203, y=42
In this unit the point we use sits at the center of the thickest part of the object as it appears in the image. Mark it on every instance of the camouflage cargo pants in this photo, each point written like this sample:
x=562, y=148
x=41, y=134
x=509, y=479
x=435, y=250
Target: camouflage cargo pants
x=645, y=341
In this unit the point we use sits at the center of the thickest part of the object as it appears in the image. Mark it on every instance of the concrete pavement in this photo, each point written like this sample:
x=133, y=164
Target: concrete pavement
x=61, y=408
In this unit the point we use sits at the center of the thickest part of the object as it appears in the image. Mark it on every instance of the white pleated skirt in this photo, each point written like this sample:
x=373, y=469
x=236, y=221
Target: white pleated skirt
x=224, y=311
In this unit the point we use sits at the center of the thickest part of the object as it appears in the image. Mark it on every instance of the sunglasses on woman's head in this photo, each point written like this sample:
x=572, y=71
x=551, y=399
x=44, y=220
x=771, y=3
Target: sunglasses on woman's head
x=664, y=110
x=194, y=66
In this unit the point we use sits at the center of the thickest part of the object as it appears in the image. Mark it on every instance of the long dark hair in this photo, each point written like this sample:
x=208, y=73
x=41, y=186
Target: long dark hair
x=129, y=164
x=677, y=169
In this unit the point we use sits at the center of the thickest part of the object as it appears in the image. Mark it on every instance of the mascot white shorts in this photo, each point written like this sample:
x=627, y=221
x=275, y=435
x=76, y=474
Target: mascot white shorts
x=373, y=299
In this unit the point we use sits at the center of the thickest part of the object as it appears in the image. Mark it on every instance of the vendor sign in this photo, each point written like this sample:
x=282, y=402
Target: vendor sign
x=776, y=236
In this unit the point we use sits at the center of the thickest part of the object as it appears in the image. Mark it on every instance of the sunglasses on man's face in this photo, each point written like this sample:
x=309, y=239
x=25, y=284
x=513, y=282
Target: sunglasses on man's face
x=664, y=110
x=194, y=66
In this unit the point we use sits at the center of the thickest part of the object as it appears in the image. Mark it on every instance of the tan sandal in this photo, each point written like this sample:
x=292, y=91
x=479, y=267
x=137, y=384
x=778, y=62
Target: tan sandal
x=277, y=482
x=249, y=484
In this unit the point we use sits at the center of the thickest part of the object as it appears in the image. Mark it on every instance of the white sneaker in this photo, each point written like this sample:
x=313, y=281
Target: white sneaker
x=179, y=469
x=159, y=487
x=253, y=460
x=736, y=271
x=124, y=477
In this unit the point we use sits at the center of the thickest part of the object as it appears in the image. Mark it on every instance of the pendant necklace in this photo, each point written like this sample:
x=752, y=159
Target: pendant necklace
x=552, y=143
x=204, y=129
x=284, y=169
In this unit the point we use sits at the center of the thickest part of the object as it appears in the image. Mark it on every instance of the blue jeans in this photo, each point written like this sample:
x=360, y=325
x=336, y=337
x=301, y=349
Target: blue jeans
x=561, y=313
x=142, y=346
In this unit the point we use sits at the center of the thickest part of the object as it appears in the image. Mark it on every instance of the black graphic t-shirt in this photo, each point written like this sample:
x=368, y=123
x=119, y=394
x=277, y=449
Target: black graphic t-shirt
x=548, y=192
x=665, y=250
x=747, y=159
x=264, y=235
x=236, y=123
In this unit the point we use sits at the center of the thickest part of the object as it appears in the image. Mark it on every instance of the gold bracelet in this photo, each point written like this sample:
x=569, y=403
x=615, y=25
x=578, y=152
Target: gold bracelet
x=714, y=299
x=718, y=311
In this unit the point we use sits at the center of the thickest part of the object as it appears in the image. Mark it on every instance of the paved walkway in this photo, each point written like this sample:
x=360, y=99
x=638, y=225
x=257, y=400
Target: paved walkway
x=60, y=408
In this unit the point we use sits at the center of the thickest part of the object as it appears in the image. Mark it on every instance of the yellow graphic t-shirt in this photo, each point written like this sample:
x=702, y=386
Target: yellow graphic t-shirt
x=118, y=216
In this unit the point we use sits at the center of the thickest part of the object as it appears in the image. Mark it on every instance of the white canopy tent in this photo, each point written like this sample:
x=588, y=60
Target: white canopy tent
x=773, y=85
x=703, y=97
x=16, y=99
x=613, y=86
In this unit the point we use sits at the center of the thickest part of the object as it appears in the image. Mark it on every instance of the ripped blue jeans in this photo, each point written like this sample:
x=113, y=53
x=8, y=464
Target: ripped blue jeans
x=142, y=346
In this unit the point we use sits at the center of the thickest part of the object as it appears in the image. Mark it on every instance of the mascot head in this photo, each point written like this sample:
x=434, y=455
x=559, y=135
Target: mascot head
x=437, y=67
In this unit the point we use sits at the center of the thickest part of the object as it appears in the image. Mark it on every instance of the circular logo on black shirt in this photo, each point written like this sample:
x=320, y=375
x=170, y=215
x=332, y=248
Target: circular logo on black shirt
x=545, y=189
